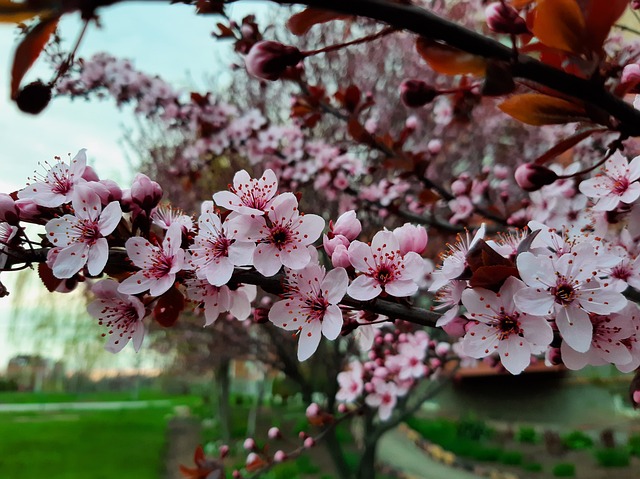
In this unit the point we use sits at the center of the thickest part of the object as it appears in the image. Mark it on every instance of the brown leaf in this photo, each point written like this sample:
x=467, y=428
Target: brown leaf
x=448, y=60
x=301, y=22
x=600, y=17
x=29, y=50
x=492, y=277
x=560, y=24
x=48, y=279
x=538, y=109
x=358, y=132
x=169, y=307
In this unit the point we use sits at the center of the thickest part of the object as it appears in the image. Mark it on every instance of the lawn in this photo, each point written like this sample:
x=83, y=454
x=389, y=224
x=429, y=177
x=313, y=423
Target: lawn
x=89, y=444
x=46, y=397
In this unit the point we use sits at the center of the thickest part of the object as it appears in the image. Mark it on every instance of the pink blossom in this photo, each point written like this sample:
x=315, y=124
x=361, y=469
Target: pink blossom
x=216, y=250
x=220, y=299
x=311, y=307
x=384, y=268
x=9, y=212
x=384, y=397
x=282, y=237
x=145, y=192
x=617, y=183
x=566, y=287
x=249, y=195
x=498, y=326
x=158, y=265
x=269, y=60
x=7, y=233
x=411, y=238
x=121, y=313
x=57, y=187
x=165, y=216
x=347, y=225
x=81, y=237
x=351, y=384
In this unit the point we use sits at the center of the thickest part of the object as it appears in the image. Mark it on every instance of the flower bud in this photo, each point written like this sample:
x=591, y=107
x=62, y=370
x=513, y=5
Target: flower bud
x=502, y=18
x=9, y=212
x=411, y=238
x=417, y=93
x=279, y=456
x=269, y=60
x=249, y=444
x=224, y=451
x=532, y=177
x=313, y=410
x=340, y=257
x=34, y=97
x=330, y=245
x=145, y=193
x=309, y=442
x=347, y=225
x=273, y=433
x=434, y=146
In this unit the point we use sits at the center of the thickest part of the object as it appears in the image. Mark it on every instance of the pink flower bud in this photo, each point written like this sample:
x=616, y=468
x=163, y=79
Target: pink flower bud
x=411, y=238
x=411, y=123
x=224, y=451
x=279, y=456
x=313, y=410
x=330, y=245
x=309, y=442
x=28, y=210
x=273, y=433
x=417, y=93
x=630, y=75
x=532, y=177
x=253, y=459
x=456, y=327
x=459, y=187
x=9, y=212
x=249, y=444
x=90, y=174
x=342, y=408
x=347, y=225
x=434, y=147
x=145, y=193
x=269, y=60
x=635, y=4
x=442, y=349
x=236, y=474
x=636, y=398
x=502, y=18
x=340, y=257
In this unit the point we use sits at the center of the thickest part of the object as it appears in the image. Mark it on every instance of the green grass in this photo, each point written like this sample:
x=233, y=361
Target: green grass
x=142, y=395
x=127, y=444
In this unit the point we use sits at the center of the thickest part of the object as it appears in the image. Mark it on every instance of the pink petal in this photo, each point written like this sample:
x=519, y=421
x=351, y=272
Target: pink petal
x=98, y=256
x=70, y=260
x=162, y=285
x=360, y=256
x=332, y=322
x=286, y=314
x=481, y=340
x=309, y=339
x=295, y=258
x=364, y=288
x=310, y=228
x=139, y=251
x=575, y=327
x=401, y=288
x=110, y=217
x=334, y=285
x=137, y=283
x=265, y=259
x=536, y=302
x=240, y=305
x=514, y=354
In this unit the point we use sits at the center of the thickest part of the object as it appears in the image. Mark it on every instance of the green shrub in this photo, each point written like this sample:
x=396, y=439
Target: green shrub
x=613, y=457
x=286, y=470
x=634, y=444
x=532, y=467
x=564, y=469
x=487, y=453
x=577, y=440
x=527, y=435
x=472, y=428
x=511, y=458
x=305, y=466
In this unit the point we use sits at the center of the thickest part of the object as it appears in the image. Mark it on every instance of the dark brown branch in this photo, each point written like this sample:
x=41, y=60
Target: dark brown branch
x=427, y=24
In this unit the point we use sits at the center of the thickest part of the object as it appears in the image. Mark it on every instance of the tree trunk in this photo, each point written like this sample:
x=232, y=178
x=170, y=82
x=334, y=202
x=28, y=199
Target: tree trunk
x=367, y=464
x=223, y=382
x=332, y=444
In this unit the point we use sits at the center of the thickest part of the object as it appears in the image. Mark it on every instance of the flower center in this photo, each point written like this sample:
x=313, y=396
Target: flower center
x=279, y=236
x=564, y=293
x=384, y=274
x=620, y=186
x=508, y=324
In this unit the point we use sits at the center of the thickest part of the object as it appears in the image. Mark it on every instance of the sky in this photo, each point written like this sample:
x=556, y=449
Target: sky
x=168, y=40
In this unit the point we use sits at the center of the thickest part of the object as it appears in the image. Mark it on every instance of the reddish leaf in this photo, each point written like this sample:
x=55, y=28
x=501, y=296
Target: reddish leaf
x=48, y=279
x=29, y=50
x=349, y=97
x=560, y=24
x=448, y=60
x=428, y=197
x=538, y=109
x=301, y=22
x=521, y=3
x=566, y=144
x=358, y=132
x=600, y=17
x=169, y=307
x=492, y=277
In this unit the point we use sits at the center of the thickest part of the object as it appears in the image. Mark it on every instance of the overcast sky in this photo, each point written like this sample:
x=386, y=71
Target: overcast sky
x=169, y=40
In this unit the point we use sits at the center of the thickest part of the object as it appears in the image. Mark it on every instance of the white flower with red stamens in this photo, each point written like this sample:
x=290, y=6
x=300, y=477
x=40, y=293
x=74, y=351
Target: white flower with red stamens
x=567, y=288
x=497, y=326
x=607, y=344
x=220, y=299
x=165, y=216
x=119, y=312
x=58, y=186
x=81, y=237
x=249, y=196
x=617, y=183
x=7, y=232
x=282, y=235
x=454, y=264
x=384, y=396
x=216, y=250
x=311, y=307
x=158, y=265
x=351, y=384
x=384, y=268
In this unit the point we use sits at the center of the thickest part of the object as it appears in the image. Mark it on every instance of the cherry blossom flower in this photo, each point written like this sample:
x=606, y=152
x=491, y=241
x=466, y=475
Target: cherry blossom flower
x=158, y=265
x=164, y=216
x=384, y=268
x=58, y=186
x=7, y=233
x=216, y=250
x=282, y=237
x=312, y=306
x=607, y=344
x=121, y=313
x=351, y=384
x=81, y=237
x=384, y=397
x=249, y=195
x=566, y=287
x=617, y=183
x=220, y=299
x=498, y=326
